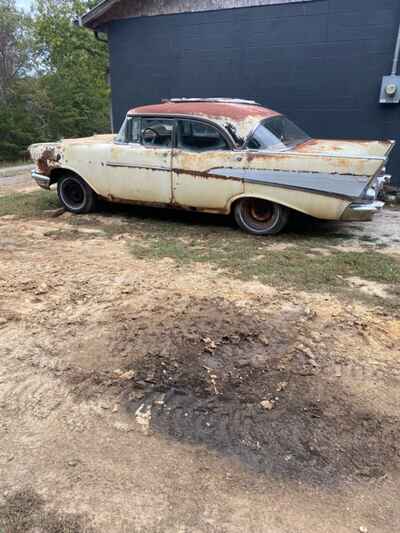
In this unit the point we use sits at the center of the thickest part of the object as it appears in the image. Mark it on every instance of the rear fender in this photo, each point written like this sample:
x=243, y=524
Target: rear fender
x=312, y=204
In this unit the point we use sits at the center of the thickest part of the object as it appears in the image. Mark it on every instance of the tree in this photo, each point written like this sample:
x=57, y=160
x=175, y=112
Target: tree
x=75, y=68
x=53, y=76
x=15, y=46
x=18, y=125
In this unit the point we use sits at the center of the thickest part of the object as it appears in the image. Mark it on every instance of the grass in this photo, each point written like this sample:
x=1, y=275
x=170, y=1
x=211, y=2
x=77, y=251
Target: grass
x=191, y=238
x=244, y=258
x=28, y=204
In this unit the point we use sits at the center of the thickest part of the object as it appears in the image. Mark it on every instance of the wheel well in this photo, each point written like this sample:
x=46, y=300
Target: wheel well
x=58, y=173
x=235, y=202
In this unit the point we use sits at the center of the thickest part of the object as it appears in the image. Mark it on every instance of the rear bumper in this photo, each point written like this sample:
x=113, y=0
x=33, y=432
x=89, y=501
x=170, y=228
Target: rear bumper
x=362, y=212
x=42, y=180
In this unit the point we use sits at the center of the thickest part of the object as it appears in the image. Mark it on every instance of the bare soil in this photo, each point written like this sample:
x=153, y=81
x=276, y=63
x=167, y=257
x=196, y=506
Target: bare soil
x=149, y=395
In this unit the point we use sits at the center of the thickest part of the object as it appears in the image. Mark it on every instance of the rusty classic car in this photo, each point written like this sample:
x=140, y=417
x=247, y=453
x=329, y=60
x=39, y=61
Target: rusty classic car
x=219, y=156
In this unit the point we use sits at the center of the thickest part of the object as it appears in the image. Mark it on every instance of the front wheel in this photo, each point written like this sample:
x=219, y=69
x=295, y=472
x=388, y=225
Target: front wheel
x=75, y=194
x=260, y=217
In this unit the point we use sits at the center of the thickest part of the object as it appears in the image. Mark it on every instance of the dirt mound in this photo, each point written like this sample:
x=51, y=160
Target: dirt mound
x=255, y=386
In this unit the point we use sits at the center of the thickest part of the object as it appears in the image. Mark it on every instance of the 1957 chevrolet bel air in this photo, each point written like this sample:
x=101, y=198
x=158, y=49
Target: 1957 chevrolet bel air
x=219, y=156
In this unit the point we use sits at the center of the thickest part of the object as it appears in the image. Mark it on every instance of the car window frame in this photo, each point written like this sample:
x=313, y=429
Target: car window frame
x=206, y=123
x=232, y=145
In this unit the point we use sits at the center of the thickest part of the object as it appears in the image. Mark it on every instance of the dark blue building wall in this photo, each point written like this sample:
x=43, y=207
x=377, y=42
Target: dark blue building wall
x=319, y=62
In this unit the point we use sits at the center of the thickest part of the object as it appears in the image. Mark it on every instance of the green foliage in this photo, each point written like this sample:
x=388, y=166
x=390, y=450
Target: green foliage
x=24, y=205
x=76, y=69
x=58, y=84
x=15, y=46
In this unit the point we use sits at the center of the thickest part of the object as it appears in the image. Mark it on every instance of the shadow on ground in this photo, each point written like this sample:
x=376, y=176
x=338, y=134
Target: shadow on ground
x=299, y=225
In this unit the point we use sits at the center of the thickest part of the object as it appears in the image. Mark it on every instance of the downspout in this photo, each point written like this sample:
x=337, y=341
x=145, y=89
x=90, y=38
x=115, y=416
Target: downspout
x=396, y=55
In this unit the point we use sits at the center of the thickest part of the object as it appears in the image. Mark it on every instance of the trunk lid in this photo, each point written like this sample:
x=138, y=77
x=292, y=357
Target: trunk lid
x=339, y=148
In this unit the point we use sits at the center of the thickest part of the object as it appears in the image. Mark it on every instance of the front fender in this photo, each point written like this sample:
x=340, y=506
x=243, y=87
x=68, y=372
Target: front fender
x=56, y=173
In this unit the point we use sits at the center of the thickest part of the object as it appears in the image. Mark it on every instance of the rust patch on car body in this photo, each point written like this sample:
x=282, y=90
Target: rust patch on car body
x=207, y=174
x=47, y=156
x=207, y=109
x=345, y=148
x=159, y=205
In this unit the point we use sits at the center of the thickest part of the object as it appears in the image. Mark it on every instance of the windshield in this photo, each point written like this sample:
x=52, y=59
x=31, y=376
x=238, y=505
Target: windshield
x=276, y=133
x=122, y=135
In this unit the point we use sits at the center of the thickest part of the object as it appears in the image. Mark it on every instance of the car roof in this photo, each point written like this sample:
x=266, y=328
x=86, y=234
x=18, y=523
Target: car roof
x=244, y=115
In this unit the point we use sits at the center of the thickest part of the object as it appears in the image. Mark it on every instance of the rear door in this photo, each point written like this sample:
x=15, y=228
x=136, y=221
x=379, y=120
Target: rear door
x=200, y=149
x=140, y=166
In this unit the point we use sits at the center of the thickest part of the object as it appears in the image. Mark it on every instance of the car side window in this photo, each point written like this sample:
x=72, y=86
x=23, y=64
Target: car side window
x=199, y=137
x=157, y=132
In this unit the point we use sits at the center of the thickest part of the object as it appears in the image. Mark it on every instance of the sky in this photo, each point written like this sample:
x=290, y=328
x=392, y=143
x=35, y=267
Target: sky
x=26, y=4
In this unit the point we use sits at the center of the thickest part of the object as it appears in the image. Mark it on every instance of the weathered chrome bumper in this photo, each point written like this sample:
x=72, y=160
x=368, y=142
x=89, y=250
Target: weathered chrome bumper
x=42, y=180
x=362, y=212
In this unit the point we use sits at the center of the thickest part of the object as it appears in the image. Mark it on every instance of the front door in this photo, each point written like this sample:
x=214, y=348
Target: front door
x=140, y=164
x=201, y=153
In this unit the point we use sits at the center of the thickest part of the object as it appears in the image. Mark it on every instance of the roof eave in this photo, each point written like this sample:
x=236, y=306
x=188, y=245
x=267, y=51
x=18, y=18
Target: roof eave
x=89, y=19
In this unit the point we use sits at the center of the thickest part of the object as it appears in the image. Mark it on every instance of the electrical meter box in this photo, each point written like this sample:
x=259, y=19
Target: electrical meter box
x=390, y=90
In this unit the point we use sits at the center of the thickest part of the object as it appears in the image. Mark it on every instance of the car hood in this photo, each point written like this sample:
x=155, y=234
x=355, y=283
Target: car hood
x=103, y=138
x=339, y=148
x=37, y=150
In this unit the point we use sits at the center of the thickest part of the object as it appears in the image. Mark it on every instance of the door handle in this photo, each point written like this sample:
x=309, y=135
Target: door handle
x=239, y=158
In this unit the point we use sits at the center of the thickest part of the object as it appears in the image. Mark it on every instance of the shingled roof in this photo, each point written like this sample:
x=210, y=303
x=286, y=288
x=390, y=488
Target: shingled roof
x=108, y=10
x=91, y=18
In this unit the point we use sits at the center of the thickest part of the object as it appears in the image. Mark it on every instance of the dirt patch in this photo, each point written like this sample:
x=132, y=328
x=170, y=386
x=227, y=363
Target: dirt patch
x=263, y=387
x=371, y=288
x=25, y=512
x=21, y=182
x=157, y=393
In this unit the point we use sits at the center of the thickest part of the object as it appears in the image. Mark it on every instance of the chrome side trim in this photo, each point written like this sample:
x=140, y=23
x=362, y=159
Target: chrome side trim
x=43, y=181
x=141, y=167
x=329, y=155
x=338, y=184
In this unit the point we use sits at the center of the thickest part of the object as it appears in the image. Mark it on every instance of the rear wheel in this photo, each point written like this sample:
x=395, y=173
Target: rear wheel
x=260, y=217
x=75, y=194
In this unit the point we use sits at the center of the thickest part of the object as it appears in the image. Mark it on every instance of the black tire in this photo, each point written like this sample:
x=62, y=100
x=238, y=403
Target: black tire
x=260, y=217
x=75, y=194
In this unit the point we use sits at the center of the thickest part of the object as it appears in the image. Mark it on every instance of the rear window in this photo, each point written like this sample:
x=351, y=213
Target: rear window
x=277, y=133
